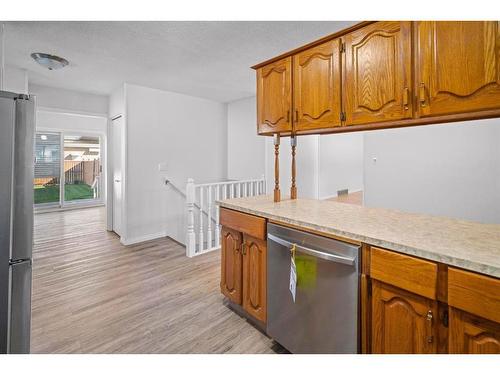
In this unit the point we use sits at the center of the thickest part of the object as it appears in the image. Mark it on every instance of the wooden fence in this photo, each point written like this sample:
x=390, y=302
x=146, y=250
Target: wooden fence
x=74, y=172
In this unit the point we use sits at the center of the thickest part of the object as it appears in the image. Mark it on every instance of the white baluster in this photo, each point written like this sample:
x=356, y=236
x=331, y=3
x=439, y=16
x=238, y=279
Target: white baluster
x=245, y=189
x=191, y=236
x=231, y=191
x=217, y=223
x=252, y=191
x=224, y=191
x=209, y=217
x=264, y=187
x=200, y=234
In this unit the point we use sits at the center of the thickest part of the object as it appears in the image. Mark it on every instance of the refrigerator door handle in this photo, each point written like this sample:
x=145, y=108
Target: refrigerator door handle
x=13, y=262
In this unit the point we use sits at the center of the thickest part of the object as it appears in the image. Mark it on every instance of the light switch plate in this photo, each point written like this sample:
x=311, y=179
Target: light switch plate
x=162, y=167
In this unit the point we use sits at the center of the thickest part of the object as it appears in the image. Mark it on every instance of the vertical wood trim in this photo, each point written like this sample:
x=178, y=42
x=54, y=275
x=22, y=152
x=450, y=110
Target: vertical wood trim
x=277, y=194
x=293, y=188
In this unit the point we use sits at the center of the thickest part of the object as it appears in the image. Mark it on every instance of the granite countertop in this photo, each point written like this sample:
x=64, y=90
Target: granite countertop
x=465, y=244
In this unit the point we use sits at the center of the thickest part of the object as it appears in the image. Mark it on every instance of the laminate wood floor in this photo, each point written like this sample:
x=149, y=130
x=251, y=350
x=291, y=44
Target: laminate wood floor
x=93, y=295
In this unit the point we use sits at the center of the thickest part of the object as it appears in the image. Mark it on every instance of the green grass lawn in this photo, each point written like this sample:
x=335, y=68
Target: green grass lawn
x=47, y=194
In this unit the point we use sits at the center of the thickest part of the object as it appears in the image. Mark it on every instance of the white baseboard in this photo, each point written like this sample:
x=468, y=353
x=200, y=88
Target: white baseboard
x=335, y=195
x=147, y=237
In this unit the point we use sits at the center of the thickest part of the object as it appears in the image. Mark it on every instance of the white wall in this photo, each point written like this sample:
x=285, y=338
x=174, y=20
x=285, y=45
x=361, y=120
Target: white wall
x=69, y=100
x=340, y=163
x=448, y=170
x=185, y=133
x=245, y=149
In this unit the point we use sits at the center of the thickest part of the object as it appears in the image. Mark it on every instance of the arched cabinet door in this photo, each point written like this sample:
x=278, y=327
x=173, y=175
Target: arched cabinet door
x=231, y=265
x=469, y=334
x=458, y=67
x=254, y=277
x=317, y=87
x=378, y=77
x=402, y=322
x=274, y=92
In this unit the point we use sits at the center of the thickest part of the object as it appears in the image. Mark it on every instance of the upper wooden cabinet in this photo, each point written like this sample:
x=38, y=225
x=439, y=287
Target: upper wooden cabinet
x=274, y=92
x=378, y=73
x=458, y=67
x=316, y=93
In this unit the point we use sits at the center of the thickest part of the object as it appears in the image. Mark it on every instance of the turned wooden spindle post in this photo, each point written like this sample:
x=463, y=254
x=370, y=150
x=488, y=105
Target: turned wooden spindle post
x=293, y=188
x=277, y=194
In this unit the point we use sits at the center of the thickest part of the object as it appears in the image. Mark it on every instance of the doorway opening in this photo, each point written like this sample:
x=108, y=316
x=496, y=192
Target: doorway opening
x=68, y=170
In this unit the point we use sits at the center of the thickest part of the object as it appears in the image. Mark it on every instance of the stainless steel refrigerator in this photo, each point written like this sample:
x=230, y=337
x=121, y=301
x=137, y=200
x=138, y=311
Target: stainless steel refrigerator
x=17, y=134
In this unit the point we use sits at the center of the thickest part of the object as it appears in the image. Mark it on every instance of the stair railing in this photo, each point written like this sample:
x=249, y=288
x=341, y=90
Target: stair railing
x=201, y=238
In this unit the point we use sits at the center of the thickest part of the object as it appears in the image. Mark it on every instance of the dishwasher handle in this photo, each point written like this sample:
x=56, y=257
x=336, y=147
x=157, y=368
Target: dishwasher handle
x=326, y=256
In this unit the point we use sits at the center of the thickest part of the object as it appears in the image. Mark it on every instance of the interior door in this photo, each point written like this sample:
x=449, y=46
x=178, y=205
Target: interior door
x=378, y=73
x=117, y=130
x=317, y=87
x=458, y=66
x=274, y=97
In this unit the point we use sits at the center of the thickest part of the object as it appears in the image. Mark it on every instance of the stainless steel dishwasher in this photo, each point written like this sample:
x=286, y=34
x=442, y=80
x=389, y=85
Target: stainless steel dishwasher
x=324, y=316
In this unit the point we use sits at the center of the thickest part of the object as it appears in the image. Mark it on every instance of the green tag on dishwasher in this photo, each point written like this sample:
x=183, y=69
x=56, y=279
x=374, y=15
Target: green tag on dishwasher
x=306, y=266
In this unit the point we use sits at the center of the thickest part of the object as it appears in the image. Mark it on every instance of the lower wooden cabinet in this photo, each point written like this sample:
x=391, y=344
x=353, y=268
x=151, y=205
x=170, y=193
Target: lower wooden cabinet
x=231, y=265
x=402, y=322
x=470, y=334
x=254, y=277
x=244, y=271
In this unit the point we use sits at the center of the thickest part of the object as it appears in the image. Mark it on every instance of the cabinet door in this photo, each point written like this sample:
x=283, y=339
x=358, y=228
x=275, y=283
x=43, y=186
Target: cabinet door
x=316, y=91
x=255, y=277
x=458, y=67
x=378, y=73
x=472, y=335
x=402, y=322
x=231, y=265
x=274, y=97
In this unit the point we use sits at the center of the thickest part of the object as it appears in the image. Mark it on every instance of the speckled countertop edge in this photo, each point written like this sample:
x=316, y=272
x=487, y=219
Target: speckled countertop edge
x=467, y=263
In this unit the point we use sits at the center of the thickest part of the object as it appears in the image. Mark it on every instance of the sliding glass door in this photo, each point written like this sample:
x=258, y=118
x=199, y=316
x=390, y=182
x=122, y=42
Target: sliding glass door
x=70, y=160
x=47, y=182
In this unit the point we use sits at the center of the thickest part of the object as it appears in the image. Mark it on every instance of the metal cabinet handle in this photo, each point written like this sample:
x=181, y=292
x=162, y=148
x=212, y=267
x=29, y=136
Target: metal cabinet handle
x=429, y=317
x=406, y=98
x=326, y=256
x=421, y=94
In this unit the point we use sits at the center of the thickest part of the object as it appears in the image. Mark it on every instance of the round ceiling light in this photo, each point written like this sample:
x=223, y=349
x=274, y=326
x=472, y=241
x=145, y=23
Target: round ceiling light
x=51, y=62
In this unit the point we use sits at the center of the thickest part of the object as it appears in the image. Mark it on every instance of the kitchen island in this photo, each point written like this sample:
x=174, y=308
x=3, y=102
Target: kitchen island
x=428, y=284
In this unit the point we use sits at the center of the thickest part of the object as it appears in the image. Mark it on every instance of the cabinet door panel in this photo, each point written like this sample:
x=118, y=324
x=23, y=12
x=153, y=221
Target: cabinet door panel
x=472, y=335
x=402, y=322
x=458, y=66
x=231, y=265
x=274, y=97
x=254, y=277
x=317, y=87
x=378, y=73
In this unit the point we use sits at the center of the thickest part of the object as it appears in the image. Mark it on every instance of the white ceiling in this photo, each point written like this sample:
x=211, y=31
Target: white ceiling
x=205, y=59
